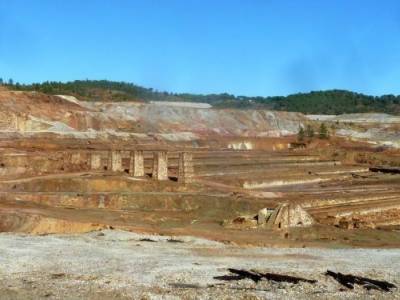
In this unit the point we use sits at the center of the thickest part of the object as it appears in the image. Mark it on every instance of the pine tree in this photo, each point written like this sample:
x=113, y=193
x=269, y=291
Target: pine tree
x=309, y=131
x=323, y=132
x=300, y=134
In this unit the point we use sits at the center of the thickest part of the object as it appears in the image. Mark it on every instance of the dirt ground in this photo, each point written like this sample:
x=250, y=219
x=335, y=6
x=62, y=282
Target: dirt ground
x=112, y=264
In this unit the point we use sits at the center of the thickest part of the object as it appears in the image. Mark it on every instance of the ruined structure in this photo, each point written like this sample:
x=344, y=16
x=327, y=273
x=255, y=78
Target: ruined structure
x=99, y=160
x=116, y=161
x=136, y=165
x=289, y=215
x=160, y=165
x=95, y=161
x=185, y=172
x=76, y=158
x=283, y=217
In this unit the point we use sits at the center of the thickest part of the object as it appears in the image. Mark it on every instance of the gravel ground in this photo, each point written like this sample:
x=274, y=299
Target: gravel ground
x=121, y=265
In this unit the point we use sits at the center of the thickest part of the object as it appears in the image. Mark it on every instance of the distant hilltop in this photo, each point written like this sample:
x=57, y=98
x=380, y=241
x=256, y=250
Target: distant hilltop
x=330, y=102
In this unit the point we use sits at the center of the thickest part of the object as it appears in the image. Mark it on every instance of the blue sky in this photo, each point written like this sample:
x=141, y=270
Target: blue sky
x=244, y=47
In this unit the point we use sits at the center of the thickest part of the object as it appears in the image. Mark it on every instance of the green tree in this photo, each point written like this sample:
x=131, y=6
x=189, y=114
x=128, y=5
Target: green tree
x=309, y=131
x=323, y=131
x=300, y=134
x=1, y=81
x=10, y=81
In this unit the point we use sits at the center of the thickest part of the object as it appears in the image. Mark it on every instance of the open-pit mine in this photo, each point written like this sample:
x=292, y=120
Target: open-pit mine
x=122, y=200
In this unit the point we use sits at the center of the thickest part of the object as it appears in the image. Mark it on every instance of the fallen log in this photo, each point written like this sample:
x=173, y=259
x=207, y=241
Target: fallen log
x=286, y=278
x=257, y=276
x=147, y=240
x=349, y=281
x=242, y=274
x=389, y=170
x=174, y=241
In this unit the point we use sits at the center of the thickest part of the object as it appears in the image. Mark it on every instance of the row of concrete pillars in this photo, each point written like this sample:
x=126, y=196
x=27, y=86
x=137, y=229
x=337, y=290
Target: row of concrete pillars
x=136, y=164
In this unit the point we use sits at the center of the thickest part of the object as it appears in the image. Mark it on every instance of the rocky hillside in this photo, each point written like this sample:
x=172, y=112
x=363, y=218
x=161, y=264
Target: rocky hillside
x=36, y=112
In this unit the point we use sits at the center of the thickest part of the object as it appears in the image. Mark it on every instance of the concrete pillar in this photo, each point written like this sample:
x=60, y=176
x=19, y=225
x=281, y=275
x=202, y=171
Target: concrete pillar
x=95, y=161
x=116, y=161
x=101, y=202
x=185, y=167
x=76, y=158
x=136, y=166
x=109, y=160
x=160, y=165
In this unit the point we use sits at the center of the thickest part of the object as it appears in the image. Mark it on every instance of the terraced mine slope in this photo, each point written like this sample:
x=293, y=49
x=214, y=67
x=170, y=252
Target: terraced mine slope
x=38, y=188
x=239, y=178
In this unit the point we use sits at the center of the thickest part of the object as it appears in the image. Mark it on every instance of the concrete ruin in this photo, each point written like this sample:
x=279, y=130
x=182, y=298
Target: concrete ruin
x=283, y=217
x=263, y=215
x=76, y=158
x=95, y=161
x=186, y=171
x=136, y=165
x=289, y=215
x=160, y=165
x=116, y=161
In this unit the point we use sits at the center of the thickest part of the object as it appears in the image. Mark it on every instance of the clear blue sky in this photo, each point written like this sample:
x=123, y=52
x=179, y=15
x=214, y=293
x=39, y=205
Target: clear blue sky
x=244, y=47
